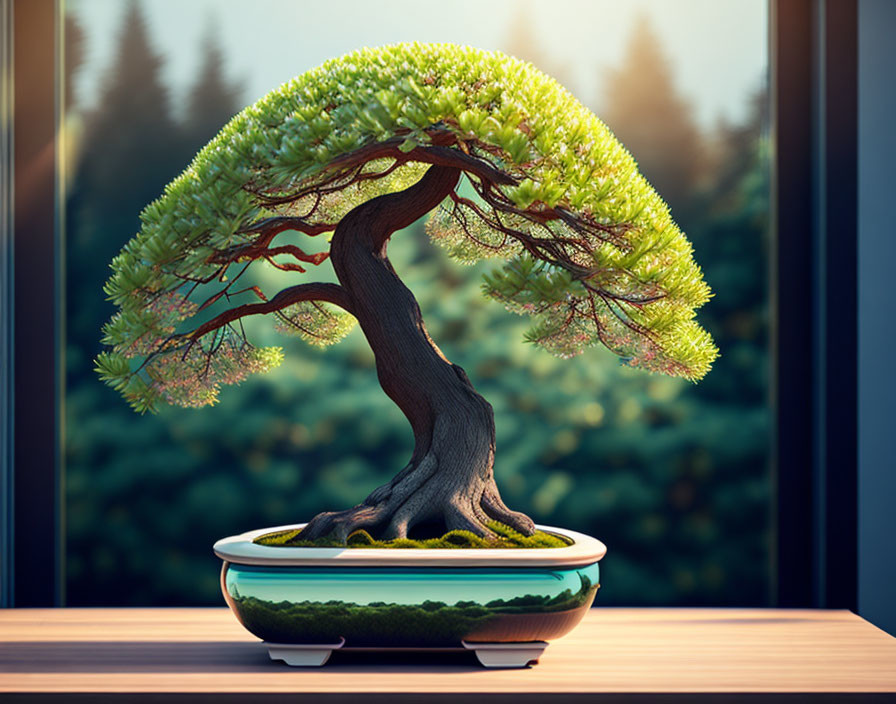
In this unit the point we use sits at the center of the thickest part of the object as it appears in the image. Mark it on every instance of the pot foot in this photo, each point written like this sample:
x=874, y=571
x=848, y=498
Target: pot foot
x=507, y=654
x=309, y=655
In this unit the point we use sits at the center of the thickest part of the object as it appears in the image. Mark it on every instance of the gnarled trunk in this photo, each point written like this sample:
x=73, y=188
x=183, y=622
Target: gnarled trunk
x=449, y=478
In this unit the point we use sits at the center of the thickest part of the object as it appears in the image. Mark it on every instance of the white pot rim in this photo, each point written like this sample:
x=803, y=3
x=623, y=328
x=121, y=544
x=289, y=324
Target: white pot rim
x=240, y=549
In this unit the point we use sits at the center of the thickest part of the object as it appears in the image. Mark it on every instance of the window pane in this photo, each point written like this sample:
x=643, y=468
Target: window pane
x=672, y=476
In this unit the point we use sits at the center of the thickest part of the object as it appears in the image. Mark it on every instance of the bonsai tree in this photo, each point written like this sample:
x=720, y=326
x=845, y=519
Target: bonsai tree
x=514, y=169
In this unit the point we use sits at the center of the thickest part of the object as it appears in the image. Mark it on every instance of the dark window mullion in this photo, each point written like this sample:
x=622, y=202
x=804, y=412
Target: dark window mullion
x=792, y=300
x=36, y=529
x=814, y=299
x=839, y=142
x=6, y=303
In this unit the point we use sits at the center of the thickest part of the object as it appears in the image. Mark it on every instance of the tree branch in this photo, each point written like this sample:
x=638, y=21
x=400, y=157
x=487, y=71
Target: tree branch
x=394, y=211
x=267, y=230
x=297, y=253
x=328, y=293
x=348, y=166
x=446, y=156
x=270, y=227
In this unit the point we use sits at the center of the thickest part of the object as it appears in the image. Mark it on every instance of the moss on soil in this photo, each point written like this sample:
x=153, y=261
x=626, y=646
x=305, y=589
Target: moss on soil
x=506, y=538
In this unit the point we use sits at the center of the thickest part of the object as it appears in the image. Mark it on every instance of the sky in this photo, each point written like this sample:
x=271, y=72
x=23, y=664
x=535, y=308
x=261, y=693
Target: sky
x=717, y=49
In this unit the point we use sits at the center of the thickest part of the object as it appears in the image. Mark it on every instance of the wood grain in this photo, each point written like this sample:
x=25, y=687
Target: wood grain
x=613, y=650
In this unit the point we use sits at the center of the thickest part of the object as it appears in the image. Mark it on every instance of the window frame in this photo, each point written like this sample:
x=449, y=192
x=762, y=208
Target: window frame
x=813, y=67
x=814, y=49
x=32, y=567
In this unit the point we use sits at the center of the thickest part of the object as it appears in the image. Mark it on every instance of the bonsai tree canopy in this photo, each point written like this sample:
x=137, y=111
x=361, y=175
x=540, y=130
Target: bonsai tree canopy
x=354, y=151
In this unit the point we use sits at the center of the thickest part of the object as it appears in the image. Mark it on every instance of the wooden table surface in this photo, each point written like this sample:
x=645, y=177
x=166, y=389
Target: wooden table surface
x=614, y=655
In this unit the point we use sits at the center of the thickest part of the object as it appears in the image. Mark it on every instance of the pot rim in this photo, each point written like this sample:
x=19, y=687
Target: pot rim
x=240, y=549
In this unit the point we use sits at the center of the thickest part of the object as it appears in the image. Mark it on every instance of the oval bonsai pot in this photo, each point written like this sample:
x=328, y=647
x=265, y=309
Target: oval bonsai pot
x=408, y=597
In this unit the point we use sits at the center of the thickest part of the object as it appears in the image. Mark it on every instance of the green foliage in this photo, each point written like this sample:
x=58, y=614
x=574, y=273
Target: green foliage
x=291, y=142
x=506, y=538
x=316, y=323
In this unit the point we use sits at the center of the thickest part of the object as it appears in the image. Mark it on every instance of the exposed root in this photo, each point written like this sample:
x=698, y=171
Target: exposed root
x=493, y=506
x=341, y=524
x=420, y=494
x=464, y=518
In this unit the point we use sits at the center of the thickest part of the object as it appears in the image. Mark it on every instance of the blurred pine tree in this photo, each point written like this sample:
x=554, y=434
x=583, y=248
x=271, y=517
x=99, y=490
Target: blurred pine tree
x=212, y=99
x=522, y=42
x=644, y=110
x=130, y=148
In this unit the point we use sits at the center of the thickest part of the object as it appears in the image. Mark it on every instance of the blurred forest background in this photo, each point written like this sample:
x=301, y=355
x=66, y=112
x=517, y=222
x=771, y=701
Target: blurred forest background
x=672, y=476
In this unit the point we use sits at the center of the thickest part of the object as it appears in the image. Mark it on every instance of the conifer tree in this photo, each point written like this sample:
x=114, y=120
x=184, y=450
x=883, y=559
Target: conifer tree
x=102, y=207
x=213, y=99
x=132, y=95
x=357, y=150
x=523, y=43
x=643, y=108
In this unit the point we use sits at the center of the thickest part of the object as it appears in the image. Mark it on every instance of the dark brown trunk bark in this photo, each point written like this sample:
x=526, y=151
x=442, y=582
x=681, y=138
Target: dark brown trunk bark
x=449, y=479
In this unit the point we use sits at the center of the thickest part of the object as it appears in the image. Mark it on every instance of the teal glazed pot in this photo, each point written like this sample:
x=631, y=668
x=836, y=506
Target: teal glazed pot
x=409, y=598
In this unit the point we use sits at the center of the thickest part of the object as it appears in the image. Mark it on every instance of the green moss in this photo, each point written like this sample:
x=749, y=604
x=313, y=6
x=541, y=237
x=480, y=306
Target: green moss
x=427, y=624
x=506, y=538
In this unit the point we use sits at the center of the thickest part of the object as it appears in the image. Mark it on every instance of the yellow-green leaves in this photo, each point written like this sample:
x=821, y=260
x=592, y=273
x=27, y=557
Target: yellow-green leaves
x=282, y=157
